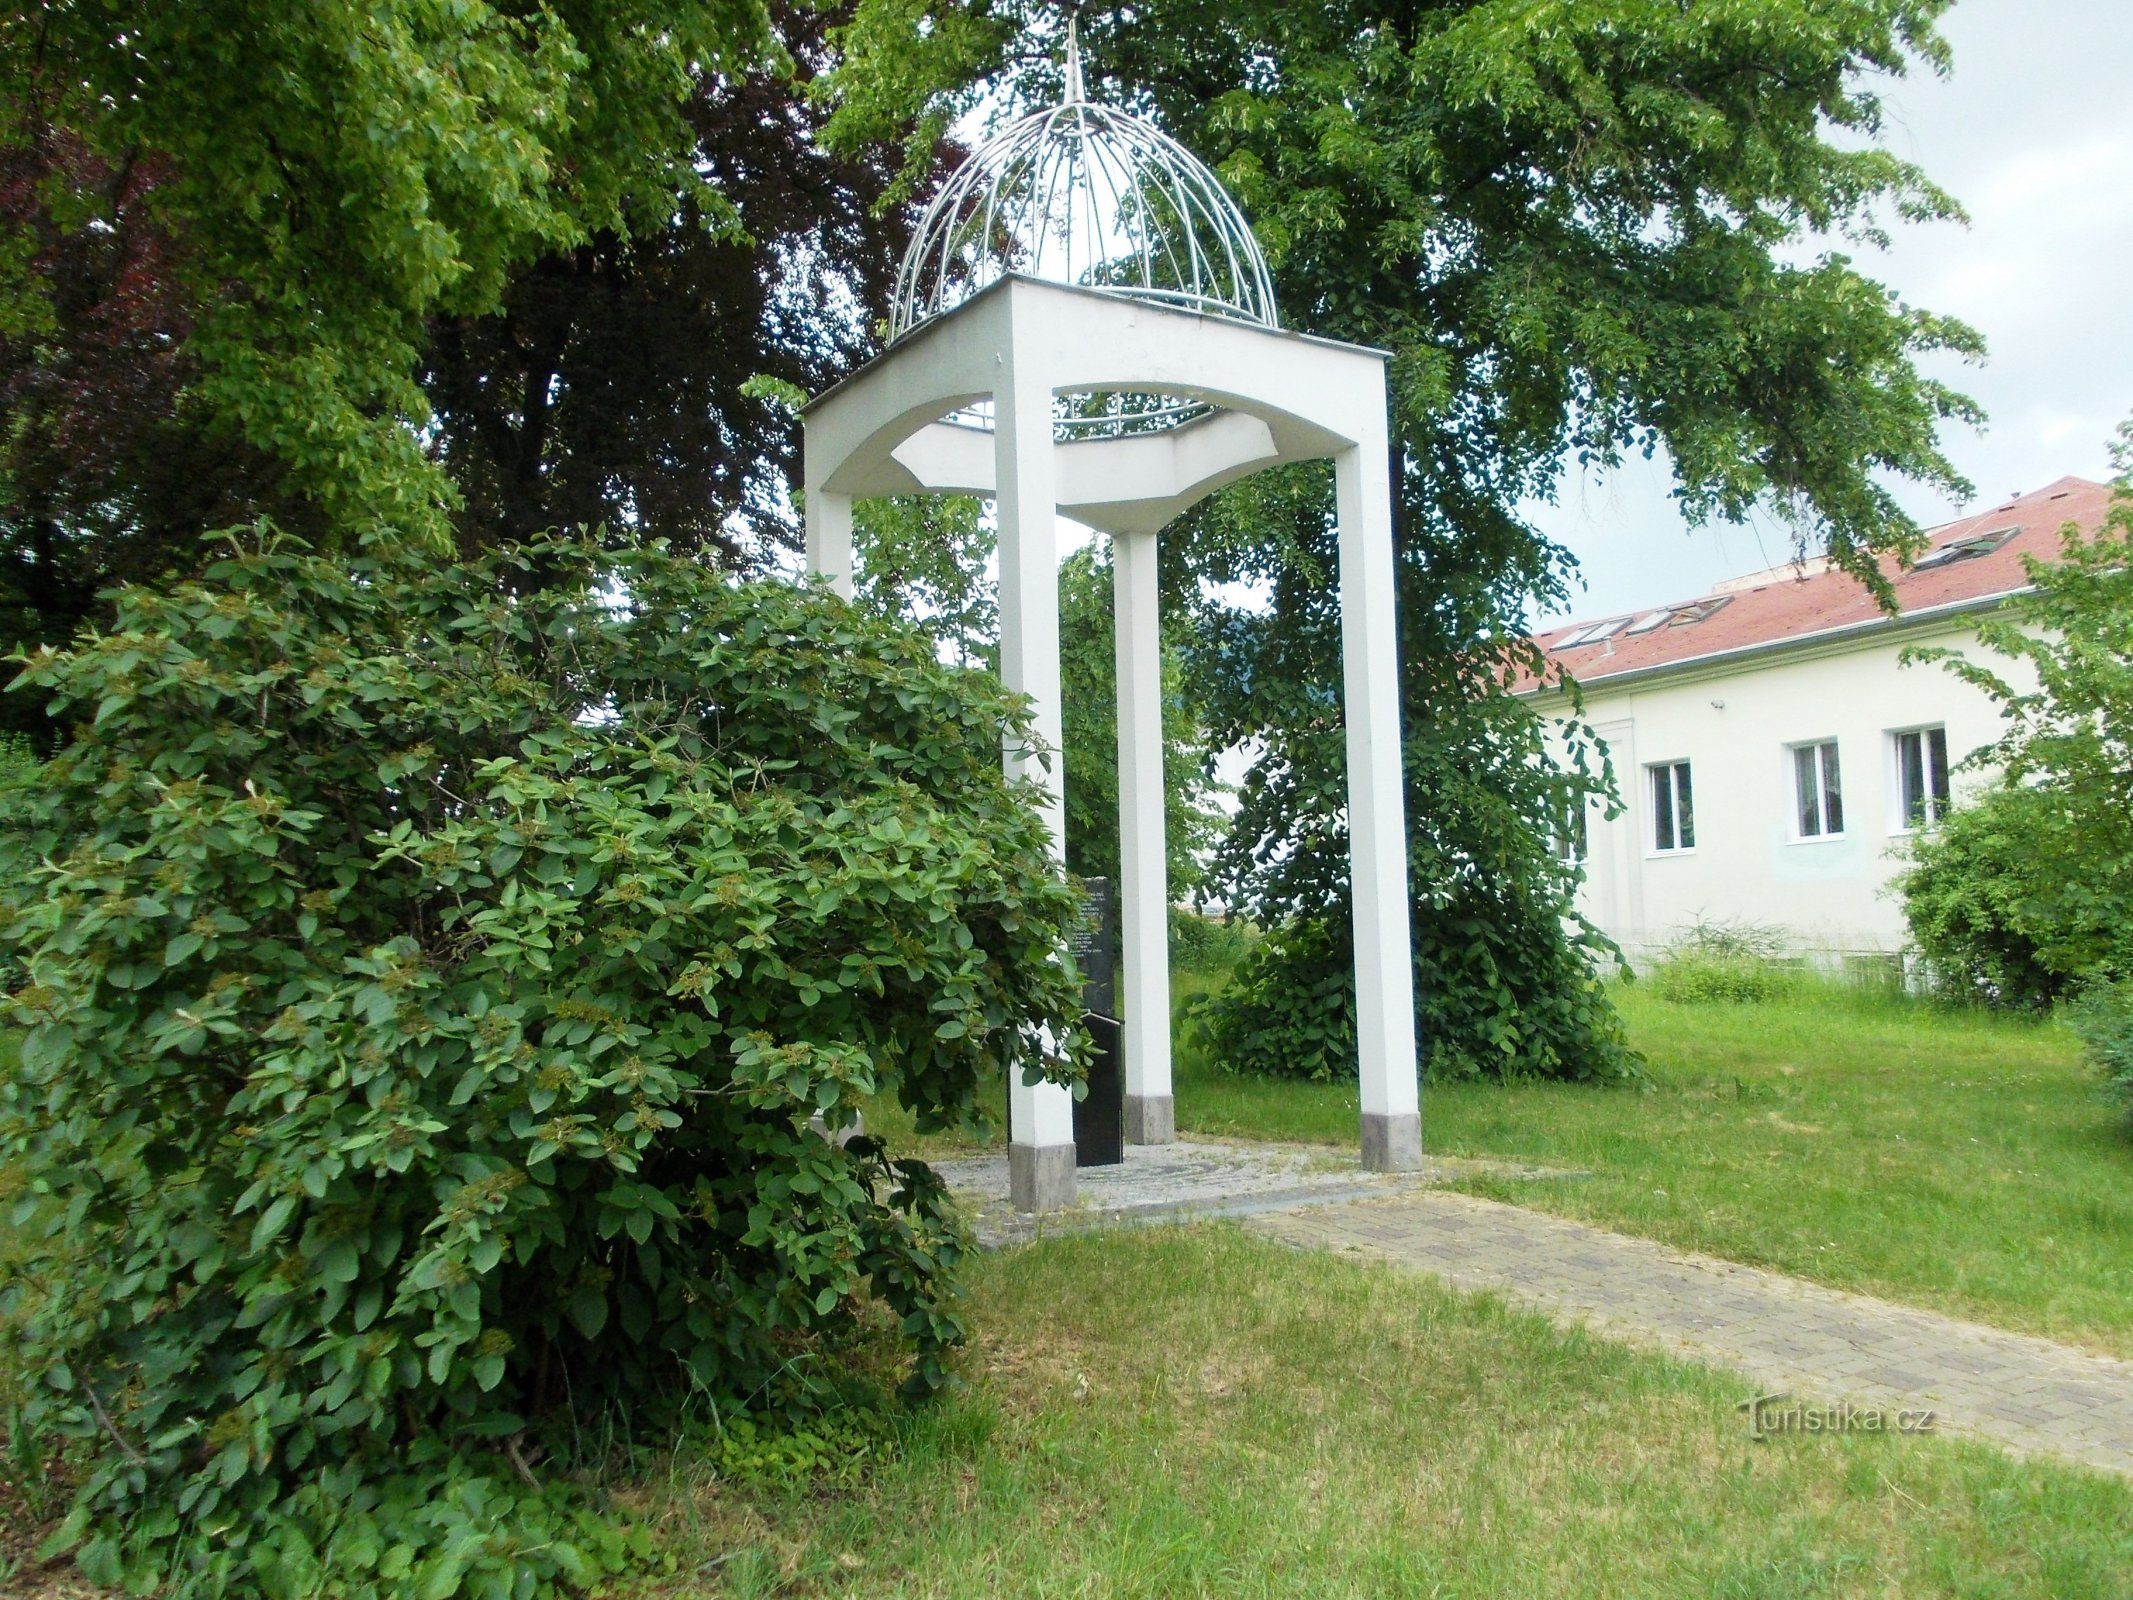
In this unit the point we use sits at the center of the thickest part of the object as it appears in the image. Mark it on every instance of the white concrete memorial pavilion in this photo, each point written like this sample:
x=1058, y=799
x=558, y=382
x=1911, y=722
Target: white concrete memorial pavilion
x=1084, y=325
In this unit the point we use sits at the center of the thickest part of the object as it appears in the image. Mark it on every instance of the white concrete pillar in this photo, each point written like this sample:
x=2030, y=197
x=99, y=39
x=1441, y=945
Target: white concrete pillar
x=1040, y=1151
x=829, y=537
x=1144, y=883
x=1377, y=829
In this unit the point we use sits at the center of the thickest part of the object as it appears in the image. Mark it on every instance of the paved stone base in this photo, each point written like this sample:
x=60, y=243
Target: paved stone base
x=1151, y=1119
x=1040, y=1177
x=1190, y=1178
x=1392, y=1144
x=1790, y=1337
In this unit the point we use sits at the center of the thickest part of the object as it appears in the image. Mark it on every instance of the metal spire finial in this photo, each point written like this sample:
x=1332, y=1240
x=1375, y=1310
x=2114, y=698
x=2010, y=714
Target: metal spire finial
x=1074, y=90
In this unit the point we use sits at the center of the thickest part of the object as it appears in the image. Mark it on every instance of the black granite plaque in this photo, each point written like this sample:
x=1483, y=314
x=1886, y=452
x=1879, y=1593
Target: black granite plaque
x=1096, y=948
x=1100, y=1116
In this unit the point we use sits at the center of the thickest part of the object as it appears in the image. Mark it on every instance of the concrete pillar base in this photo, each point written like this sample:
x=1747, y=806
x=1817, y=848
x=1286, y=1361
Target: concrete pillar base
x=1040, y=1177
x=1392, y=1143
x=1151, y=1119
x=843, y=1136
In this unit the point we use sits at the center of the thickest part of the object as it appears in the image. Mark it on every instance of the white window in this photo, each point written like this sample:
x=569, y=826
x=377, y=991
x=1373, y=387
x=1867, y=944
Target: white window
x=1921, y=777
x=1673, y=807
x=1817, y=790
x=1571, y=839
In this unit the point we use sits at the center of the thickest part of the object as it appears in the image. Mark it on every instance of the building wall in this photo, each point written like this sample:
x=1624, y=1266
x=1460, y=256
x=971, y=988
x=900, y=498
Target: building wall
x=1736, y=726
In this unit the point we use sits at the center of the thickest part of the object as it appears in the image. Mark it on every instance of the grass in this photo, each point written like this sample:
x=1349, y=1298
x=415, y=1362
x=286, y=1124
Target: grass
x=1952, y=1159
x=1174, y=1412
x=1199, y=1411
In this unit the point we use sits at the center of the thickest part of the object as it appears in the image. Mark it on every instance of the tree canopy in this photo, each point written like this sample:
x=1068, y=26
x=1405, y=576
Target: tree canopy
x=467, y=270
x=1581, y=228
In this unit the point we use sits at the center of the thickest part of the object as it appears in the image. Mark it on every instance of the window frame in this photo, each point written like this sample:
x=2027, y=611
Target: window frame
x=1680, y=780
x=1829, y=784
x=1938, y=799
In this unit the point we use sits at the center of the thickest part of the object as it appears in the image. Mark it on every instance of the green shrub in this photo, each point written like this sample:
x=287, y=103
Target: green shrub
x=1207, y=944
x=18, y=848
x=423, y=1025
x=1734, y=963
x=1695, y=977
x=832, y=1450
x=2012, y=902
x=2025, y=896
x=1289, y=1011
x=2102, y=1018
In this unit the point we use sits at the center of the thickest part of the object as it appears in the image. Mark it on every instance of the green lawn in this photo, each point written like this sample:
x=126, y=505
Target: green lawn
x=1198, y=1411
x=1948, y=1158
x=1172, y=1412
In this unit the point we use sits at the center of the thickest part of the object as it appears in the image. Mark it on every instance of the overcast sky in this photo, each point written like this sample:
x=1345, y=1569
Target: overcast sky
x=2033, y=133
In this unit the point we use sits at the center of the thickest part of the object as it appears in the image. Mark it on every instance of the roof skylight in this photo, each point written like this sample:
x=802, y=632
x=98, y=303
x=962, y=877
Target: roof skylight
x=1967, y=548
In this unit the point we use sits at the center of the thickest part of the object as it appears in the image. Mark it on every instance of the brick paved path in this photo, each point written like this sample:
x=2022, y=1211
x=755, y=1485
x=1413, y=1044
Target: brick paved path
x=1795, y=1338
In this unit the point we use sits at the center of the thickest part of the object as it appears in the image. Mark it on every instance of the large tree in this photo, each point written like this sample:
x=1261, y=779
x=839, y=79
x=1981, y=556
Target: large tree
x=635, y=380
x=1581, y=227
x=226, y=229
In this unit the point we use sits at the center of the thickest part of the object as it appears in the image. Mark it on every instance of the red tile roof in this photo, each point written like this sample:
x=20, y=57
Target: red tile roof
x=1781, y=604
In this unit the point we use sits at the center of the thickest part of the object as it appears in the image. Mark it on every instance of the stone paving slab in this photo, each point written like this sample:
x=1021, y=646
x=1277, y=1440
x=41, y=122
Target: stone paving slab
x=1791, y=1337
x=1191, y=1178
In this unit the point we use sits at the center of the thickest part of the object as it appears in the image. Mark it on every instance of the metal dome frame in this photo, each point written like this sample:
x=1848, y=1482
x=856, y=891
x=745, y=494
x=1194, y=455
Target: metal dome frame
x=1090, y=195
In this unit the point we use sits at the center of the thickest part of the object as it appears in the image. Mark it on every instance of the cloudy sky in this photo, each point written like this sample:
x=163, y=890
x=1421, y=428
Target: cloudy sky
x=2033, y=133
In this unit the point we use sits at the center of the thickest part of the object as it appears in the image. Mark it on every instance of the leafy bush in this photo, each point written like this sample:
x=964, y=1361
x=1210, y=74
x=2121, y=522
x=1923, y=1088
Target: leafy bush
x=1207, y=944
x=2027, y=895
x=1736, y=963
x=18, y=775
x=1693, y=977
x=1289, y=1011
x=2102, y=1018
x=832, y=1450
x=423, y=1025
x=2012, y=903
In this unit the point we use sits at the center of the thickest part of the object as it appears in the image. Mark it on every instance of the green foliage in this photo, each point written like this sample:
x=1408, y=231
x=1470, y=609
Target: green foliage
x=333, y=173
x=2000, y=909
x=926, y=557
x=582, y=368
x=2102, y=1018
x=1732, y=963
x=1504, y=964
x=829, y=1450
x=2026, y=895
x=1289, y=1010
x=426, y=1008
x=1692, y=977
x=1208, y=944
x=625, y=379
x=18, y=778
x=1088, y=674
x=18, y=768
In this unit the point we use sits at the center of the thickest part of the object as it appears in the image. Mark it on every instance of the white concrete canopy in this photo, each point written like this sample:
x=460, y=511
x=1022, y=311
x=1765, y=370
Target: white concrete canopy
x=1270, y=397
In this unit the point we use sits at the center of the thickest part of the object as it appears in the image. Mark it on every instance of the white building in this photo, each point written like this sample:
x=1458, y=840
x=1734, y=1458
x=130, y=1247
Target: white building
x=1772, y=750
